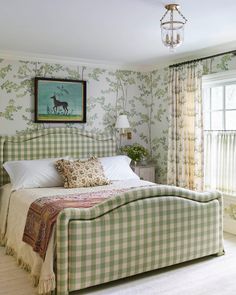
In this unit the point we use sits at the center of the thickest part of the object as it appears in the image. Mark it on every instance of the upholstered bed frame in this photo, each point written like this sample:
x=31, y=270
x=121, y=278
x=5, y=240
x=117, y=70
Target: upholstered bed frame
x=53, y=143
x=137, y=231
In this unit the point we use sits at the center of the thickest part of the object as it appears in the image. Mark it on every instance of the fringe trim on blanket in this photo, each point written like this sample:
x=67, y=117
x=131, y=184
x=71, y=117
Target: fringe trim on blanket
x=45, y=287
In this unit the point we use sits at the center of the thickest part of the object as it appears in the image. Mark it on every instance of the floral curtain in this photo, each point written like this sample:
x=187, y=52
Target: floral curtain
x=185, y=150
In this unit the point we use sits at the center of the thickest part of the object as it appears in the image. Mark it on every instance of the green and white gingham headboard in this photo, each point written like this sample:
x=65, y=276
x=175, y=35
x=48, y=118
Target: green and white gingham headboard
x=52, y=143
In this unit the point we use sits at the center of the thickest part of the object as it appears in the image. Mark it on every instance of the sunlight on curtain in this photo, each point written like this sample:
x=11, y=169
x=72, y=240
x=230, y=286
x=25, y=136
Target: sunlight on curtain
x=185, y=138
x=220, y=161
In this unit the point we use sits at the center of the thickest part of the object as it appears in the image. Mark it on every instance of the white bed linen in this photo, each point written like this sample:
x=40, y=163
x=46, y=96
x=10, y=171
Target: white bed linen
x=13, y=212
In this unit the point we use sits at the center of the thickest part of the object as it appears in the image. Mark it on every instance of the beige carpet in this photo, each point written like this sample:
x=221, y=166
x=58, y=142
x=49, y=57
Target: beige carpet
x=207, y=276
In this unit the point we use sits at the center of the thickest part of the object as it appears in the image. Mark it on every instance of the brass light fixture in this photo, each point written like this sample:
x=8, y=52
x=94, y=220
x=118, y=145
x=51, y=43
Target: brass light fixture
x=172, y=27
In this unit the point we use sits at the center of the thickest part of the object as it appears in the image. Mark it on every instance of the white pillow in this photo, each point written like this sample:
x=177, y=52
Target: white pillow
x=33, y=173
x=118, y=168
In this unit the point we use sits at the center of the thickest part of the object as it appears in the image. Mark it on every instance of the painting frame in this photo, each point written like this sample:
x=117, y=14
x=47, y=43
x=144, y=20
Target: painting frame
x=59, y=95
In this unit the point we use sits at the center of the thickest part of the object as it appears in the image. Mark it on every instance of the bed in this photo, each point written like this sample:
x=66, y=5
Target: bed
x=146, y=227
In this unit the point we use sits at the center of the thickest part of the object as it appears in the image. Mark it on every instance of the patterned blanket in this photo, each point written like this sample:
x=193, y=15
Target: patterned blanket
x=43, y=213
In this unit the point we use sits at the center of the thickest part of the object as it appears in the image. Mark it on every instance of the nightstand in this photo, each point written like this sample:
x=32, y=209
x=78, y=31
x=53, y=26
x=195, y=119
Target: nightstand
x=145, y=172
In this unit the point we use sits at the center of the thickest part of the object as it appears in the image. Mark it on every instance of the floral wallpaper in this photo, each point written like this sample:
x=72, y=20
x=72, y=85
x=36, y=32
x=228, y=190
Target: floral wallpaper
x=142, y=96
x=108, y=92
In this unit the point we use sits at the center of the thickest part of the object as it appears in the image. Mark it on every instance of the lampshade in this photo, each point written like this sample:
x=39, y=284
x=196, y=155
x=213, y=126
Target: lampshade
x=122, y=122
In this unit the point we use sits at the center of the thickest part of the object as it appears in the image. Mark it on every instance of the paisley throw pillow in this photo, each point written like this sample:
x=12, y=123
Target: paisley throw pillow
x=81, y=173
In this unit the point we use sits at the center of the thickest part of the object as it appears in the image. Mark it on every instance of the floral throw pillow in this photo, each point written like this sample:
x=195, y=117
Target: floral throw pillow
x=81, y=173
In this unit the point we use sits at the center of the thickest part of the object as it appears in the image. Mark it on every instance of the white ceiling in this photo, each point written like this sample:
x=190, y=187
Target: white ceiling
x=124, y=32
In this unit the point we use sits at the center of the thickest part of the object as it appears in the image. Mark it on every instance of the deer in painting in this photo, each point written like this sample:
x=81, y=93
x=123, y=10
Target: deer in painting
x=58, y=103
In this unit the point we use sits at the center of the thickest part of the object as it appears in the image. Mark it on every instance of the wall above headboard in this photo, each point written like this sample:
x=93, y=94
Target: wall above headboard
x=109, y=92
x=142, y=96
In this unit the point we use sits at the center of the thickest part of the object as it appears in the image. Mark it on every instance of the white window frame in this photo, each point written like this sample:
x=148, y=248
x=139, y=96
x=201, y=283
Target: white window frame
x=219, y=79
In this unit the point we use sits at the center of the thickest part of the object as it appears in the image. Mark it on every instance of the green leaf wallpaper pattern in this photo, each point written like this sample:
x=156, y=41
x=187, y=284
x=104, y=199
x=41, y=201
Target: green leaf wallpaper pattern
x=142, y=96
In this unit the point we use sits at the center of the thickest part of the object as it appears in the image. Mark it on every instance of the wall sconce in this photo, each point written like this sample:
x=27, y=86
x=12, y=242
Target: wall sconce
x=122, y=124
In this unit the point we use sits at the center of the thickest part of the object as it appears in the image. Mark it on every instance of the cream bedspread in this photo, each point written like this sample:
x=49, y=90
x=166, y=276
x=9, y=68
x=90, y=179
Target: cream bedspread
x=13, y=212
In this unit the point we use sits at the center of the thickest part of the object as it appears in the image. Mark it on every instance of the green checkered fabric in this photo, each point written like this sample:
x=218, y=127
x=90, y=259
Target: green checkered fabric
x=131, y=233
x=138, y=231
x=53, y=143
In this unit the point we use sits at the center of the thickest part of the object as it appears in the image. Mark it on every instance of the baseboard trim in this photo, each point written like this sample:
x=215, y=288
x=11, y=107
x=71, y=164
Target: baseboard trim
x=230, y=225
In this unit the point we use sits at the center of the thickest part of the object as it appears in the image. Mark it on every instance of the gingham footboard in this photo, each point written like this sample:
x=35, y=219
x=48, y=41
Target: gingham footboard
x=136, y=232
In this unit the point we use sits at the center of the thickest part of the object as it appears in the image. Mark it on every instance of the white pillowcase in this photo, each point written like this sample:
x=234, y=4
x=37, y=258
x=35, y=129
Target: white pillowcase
x=118, y=168
x=33, y=173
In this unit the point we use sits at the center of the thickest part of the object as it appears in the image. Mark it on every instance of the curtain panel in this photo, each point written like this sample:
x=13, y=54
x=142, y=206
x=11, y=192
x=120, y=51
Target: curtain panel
x=186, y=137
x=220, y=161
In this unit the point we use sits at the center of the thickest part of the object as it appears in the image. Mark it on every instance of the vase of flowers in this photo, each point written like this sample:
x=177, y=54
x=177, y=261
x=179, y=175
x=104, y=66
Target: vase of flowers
x=136, y=152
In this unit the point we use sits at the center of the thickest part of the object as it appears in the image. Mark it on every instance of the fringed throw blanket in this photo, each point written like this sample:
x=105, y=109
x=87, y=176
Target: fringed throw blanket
x=43, y=213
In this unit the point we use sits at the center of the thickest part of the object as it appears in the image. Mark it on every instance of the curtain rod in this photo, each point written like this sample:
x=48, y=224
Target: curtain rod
x=200, y=59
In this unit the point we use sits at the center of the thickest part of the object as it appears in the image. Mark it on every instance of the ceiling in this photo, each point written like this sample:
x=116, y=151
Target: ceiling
x=121, y=32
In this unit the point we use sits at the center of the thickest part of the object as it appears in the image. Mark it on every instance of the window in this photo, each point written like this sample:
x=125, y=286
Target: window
x=219, y=105
x=219, y=112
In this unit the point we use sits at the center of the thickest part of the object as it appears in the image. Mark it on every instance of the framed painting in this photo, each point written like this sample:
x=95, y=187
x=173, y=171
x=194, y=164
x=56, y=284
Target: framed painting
x=60, y=101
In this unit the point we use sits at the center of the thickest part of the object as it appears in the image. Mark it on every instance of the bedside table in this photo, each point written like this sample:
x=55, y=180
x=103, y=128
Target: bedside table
x=145, y=172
